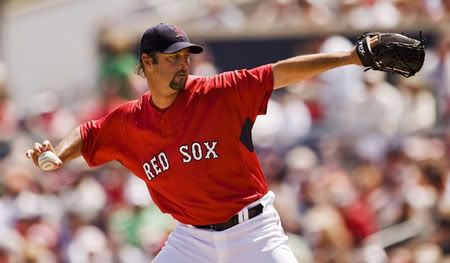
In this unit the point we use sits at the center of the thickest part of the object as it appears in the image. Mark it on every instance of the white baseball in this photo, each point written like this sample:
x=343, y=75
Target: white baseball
x=49, y=161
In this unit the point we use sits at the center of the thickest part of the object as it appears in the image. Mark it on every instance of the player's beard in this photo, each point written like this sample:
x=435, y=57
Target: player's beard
x=178, y=81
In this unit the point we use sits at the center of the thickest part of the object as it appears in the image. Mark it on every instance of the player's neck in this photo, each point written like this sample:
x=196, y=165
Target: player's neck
x=162, y=95
x=162, y=101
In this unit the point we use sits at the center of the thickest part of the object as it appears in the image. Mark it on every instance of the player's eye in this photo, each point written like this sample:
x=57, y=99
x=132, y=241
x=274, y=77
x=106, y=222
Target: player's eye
x=175, y=57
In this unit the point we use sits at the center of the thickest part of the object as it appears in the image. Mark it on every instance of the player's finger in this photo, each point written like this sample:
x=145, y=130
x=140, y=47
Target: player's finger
x=46, y=146
x=37, y=148
x=29, y=153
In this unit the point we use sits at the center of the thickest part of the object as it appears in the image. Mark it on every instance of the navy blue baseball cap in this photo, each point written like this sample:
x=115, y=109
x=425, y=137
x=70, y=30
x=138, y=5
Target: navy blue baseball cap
x=166, y=39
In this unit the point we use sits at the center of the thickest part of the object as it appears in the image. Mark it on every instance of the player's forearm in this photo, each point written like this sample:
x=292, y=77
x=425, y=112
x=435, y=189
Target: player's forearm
x=295, y=69
x=70, y=147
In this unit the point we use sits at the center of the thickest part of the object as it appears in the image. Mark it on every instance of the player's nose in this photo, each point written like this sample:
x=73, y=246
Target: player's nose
x=184, y=65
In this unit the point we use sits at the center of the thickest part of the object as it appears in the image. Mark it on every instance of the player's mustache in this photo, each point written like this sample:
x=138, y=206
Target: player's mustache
x=181, y=73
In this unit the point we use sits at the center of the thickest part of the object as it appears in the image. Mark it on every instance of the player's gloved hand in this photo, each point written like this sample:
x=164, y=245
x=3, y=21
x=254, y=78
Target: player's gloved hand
x=44, y=156
x=391, y=53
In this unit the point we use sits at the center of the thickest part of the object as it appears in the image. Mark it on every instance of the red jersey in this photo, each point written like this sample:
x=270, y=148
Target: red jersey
x=196, y=156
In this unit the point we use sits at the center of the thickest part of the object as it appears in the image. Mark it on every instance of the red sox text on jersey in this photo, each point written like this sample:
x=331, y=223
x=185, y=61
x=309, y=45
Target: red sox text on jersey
x=189, y=152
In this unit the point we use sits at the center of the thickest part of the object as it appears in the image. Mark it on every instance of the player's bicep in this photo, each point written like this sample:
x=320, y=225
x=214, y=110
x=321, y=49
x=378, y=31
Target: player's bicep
x=280, y=75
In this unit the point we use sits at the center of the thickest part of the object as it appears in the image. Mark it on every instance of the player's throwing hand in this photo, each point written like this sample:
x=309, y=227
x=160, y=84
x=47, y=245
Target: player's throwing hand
x=44, y=156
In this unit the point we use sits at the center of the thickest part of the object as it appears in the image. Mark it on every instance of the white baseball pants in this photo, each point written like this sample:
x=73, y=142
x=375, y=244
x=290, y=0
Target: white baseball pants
x=260, y=239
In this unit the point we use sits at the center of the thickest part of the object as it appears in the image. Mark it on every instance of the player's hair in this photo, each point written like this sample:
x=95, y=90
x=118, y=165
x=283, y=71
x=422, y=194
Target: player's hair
x=139, y=69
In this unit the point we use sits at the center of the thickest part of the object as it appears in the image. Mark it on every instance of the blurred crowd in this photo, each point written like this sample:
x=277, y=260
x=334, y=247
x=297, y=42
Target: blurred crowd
x=359, y=161
x=307, y=15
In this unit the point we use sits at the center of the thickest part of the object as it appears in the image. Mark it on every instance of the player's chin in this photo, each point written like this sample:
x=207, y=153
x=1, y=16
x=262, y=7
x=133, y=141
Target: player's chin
x=178, y=82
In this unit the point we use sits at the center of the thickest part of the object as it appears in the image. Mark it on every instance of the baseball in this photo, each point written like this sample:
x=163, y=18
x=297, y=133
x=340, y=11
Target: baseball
x=49, y=161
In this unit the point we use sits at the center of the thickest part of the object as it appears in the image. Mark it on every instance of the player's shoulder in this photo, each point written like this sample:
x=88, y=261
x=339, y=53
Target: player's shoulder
x=194, y=81
x=132, y=106
x=259, y=72
x=196, y=84
x=227, y=78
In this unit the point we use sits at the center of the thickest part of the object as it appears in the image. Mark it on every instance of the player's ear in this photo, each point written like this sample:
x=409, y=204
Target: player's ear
x=146, y=60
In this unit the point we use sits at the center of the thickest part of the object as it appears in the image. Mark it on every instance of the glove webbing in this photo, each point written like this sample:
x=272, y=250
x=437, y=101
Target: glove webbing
x=399, y=55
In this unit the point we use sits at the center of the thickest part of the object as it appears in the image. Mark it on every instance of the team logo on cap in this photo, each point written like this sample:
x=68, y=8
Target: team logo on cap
x=178, y=31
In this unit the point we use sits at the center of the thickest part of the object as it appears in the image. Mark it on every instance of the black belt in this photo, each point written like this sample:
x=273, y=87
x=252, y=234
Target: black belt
x=252, y=212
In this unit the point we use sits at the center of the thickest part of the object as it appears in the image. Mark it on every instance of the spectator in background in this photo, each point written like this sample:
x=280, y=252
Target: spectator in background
x=89, y=244
x=428, y=192
x=443, y=12
x=275, y=169
x=440, y=78
x=343, y=89
x=420, y=105
x=203, y=64
x=27, y=234
x=276, y=13
x=117, y=62
x=221, y=14
x=287, y=122
x=315, y=13
x=110, y=100
x=8, y=118
x=411, y=12
x=389, y=99
x=324, y=226
x=265, y=132
x=368, y=14
x=388, y=200
x=376, y=119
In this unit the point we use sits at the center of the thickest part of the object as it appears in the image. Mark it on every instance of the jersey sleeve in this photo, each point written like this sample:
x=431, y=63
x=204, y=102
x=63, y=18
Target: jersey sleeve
x=251, y=89
x=101, y=138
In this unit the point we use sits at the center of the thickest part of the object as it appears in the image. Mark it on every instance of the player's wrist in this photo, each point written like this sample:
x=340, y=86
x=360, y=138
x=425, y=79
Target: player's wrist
x=353, y=58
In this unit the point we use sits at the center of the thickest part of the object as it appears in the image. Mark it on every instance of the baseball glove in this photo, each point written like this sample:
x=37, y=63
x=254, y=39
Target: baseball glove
x=392, y=53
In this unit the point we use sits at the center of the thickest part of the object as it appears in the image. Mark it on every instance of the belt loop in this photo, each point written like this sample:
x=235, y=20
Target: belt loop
x=245, y=214
x=240, y=216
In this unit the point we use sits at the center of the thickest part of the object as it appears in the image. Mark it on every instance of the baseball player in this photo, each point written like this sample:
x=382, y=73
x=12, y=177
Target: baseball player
x=189, y=139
